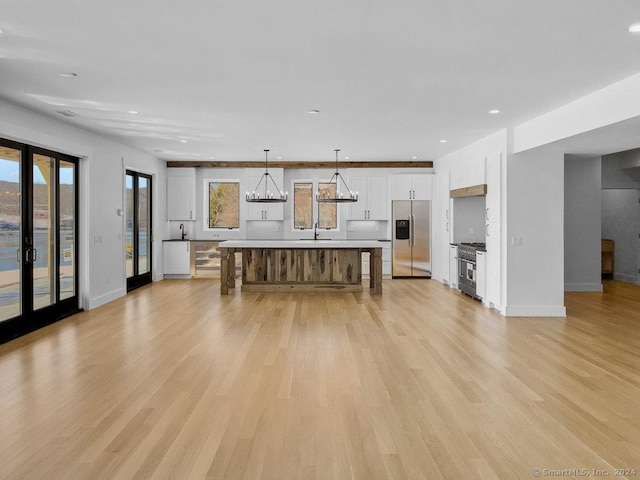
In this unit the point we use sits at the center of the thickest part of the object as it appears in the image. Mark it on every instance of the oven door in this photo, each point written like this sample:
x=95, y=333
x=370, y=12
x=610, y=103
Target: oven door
x=467, y=276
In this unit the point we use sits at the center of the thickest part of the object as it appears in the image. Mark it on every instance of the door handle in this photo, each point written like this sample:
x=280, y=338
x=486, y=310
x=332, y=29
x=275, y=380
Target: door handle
x=18, y=255
x=34, y=257
x=413, y=221
x=190, y=214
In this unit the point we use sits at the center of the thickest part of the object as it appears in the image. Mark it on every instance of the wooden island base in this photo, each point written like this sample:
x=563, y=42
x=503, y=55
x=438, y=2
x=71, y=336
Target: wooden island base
x=305, y=269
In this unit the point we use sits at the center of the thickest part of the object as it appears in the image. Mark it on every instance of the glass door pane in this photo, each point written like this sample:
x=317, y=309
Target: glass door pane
x=67, y=222
x=10, y=233
x=144, y=236
x=43, y=252
x=128, y=232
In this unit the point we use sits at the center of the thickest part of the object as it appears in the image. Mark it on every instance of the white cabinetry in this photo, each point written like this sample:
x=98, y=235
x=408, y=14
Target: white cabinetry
x=481, y=274
x=386, y=261
x=181, y=194
x=453, y=266
x=176, y=258
x=493, y=231
x=494, y=168
x=441, y=223
x=372, y=201
x=468, y=173
x=412, y=187
x=264, y=211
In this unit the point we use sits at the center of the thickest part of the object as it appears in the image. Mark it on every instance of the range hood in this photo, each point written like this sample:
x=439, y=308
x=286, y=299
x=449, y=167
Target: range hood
x=474, y=191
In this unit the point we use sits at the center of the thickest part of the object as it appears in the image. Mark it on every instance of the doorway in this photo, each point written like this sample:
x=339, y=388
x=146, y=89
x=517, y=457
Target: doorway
x=138, y=229
x=38, y=237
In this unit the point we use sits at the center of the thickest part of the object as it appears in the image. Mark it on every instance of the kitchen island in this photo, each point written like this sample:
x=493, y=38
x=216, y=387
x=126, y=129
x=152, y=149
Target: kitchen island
x=300, y=265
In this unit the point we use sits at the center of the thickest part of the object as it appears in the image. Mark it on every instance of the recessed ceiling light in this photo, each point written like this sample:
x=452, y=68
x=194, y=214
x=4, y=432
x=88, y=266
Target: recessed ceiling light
x=133, y=112
x=414, y=158
x=279, y=158
x=183, y=141
x=494, y=111
x=443, y=141
x=212, y=158
x=635, y=28
x=313, y=112
x=68, y=74
x=346, y=158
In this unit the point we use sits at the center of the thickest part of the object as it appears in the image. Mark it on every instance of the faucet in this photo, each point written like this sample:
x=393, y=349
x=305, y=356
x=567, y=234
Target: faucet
x=315, y=231
x=184, y=234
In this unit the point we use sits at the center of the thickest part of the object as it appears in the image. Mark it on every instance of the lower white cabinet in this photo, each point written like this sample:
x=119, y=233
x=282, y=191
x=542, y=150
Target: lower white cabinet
x=481, y=274
x=386, y=261
x=176, y=258
x=453, y=266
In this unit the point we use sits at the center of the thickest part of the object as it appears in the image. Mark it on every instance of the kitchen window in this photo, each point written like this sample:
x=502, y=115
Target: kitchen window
x=223, y=204
x=327, y=212
x=303, y=205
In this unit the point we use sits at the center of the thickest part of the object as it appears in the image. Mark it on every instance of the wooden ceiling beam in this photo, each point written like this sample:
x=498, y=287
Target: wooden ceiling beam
x=283, y=164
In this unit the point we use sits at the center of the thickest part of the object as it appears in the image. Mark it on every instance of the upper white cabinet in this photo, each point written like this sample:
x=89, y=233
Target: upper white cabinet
x=469, y=172
x=181, y=194
x=412, y=187
x=372, y=198
x=494, y=167
x=264, y=211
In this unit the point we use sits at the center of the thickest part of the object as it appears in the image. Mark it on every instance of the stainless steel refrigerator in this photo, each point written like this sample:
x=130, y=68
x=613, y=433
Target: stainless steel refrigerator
x=411, y=238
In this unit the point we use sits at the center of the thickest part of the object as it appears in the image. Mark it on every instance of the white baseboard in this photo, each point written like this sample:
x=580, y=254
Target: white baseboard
x=106, y=298
x=535, y=311
x=583, y=287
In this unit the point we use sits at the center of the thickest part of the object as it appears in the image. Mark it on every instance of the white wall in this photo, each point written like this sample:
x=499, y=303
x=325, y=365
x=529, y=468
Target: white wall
x=102, y=167
x=615, y=103
x=535, y=229
x=621, y=223
x=582, y=224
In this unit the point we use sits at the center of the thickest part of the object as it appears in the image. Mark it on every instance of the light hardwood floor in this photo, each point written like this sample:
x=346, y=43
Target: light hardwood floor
x=175, y=381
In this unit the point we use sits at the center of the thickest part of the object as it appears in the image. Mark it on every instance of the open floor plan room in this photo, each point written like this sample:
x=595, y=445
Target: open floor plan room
x=176, y=381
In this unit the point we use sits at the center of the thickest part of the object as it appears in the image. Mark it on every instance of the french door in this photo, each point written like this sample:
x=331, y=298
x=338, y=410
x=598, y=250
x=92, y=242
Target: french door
x=138, y=231
x=38, y=237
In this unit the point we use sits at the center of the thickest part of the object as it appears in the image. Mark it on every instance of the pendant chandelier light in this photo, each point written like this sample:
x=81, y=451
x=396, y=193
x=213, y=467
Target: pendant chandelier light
x=262, y=193
x=339, y=197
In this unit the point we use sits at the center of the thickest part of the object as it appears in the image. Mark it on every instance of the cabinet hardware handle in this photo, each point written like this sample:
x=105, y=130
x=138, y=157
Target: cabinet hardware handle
x=34, y=258
x=487, y=213
x=447, y=226
x=486, y=230
x=18, y=255
x=27, y=255
x=190, y=214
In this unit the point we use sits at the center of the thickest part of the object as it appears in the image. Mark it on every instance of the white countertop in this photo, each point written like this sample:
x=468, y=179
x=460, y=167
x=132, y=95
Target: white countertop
x=302, y=244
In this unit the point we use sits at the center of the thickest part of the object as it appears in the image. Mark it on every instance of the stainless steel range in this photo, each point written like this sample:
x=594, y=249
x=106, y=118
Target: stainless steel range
x=467, y=267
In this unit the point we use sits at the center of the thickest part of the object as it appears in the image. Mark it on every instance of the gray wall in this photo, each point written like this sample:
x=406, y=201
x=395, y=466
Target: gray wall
x=469, y=219
x=582, y=224
x=621, y=223
x=621, y=170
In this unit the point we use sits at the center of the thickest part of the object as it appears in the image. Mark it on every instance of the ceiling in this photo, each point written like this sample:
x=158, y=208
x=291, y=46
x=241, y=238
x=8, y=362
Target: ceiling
x=225, y=79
